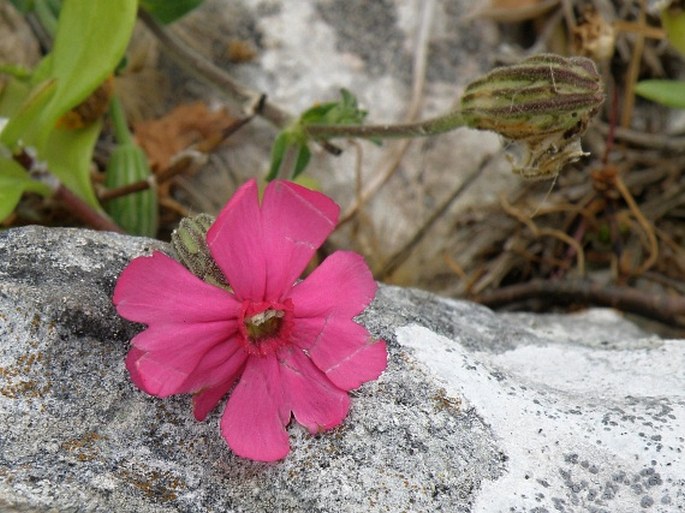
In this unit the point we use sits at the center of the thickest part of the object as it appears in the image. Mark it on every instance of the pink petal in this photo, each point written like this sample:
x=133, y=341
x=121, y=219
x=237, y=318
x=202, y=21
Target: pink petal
x=236, y=243
x=223, y=362
x=324, y=305
x=316, y=402
x=342, y=349
x=131, y=358
x=176, y=351
x=254, y=420
x=159, y=289
x=342, y=284
x=206, y=400
x=172, y=337
x=262, y=251
x=295, y=222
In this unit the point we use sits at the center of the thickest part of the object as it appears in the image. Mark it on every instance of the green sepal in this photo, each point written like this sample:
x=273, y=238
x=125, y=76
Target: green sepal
x=138, y=212
x=189, y=242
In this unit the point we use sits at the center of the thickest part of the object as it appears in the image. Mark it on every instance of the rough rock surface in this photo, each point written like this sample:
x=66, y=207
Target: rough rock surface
x=477, y=412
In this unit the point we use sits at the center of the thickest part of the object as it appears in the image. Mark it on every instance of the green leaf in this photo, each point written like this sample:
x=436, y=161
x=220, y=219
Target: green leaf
x=667, y=92
x=12, y=94
x=14, y=181
x=167, y=11
x=91, y=40
x=68, y=153
x=24, y=118
x=303, y=158
x=277, y=153
x=294, y=138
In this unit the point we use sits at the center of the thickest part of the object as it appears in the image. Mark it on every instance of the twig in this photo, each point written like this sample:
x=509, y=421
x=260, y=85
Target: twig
x=667, y=309
x=546, y=232
x=252, y=101
x=646, y=226
x=657, y=141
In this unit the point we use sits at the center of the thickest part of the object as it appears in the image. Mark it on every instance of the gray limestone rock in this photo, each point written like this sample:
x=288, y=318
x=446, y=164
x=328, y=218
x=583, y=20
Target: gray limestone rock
x=477, y=412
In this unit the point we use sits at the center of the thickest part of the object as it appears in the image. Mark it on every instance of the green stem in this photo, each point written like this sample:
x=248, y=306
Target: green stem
x=121, y=131
x=433, y=126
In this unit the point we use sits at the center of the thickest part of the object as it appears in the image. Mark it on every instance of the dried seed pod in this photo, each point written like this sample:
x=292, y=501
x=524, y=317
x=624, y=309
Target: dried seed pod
x=544, y=104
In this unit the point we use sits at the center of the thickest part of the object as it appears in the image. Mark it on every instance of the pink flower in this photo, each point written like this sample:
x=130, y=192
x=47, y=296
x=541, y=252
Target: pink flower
x=282, y=347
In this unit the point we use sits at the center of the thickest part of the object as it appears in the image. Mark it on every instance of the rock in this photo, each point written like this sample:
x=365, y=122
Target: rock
x=477, y=412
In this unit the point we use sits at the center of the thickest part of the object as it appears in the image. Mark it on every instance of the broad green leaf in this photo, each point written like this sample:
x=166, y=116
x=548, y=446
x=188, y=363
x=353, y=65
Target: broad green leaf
x=167, y=11
x=24, y=118
x=673, y=21
x=14, y=181
x=68, y=153
x=667, y=92
x=12, y=94
x=90, y=41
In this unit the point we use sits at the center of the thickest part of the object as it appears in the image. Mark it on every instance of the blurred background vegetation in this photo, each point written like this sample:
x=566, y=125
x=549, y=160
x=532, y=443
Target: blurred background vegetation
x=128, y=116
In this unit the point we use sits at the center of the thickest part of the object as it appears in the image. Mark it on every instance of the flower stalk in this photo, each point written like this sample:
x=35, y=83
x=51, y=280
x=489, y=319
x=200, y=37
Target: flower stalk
x=545, y=104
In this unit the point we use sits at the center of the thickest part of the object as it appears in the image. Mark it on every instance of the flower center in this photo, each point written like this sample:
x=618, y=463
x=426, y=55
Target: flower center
x=265, y=326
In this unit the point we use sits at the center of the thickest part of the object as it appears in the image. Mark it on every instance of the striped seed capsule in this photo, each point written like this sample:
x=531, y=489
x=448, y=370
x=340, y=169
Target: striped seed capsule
x=189, y=242
x=544, y=103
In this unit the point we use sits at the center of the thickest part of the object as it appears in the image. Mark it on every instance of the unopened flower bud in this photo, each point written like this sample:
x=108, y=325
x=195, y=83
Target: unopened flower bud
x=190, y=244
x=545, y=103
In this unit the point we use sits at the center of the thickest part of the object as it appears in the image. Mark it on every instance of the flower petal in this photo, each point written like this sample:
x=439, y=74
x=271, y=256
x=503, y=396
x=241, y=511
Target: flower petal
x=342, y=349
x=175, y=352
x=324, y=305
x=342, y=284
x=295, y=222
x=236, y=243
x=316, y=402
x=131, y=358
x=254, y=420
x=158, y=289
x=223, y=362
x=206, y=399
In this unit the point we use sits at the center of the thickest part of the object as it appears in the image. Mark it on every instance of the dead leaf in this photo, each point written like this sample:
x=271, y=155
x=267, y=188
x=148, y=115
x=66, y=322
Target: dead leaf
x=185, y=126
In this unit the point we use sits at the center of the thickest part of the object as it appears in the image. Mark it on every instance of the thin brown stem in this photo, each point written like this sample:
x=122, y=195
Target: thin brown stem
x=253, y=102
x=665, y=308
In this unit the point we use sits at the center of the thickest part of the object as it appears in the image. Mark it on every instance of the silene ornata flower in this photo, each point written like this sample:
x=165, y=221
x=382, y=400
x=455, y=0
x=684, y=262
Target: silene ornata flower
x=280, y=347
